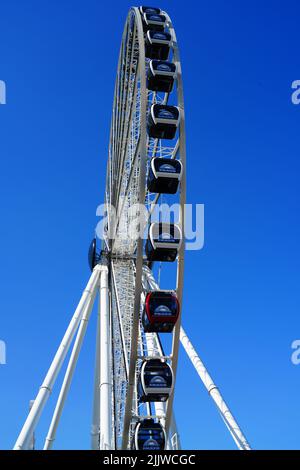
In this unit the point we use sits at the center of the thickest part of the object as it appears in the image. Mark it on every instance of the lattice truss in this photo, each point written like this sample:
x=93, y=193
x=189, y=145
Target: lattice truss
x=122, y=304
x=123, y=290
x=124, y=156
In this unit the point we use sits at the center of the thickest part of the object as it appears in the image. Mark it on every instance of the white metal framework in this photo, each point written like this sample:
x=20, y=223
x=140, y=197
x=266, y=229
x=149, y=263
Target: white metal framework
x=123, y=276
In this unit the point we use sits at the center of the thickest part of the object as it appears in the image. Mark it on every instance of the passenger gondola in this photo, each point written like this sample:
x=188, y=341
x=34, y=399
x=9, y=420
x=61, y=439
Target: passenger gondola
x=93, y=256
x=154, y=22
x=157, y=45
x=144, y=10
x=164, y=241
x=161, y=76
x=164, y=175
x=155, y=381
x=163, y=121
x=148, y=435
x=161, y=312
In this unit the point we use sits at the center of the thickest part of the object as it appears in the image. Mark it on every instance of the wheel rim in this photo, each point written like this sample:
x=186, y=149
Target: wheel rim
x=130, y=152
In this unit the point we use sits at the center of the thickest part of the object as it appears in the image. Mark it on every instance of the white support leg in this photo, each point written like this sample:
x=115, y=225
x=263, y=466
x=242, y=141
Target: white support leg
x=31, y=445
x=105, y=365
x=213, y=391
x=69, y=373
x=96, y=404
x=46, y=388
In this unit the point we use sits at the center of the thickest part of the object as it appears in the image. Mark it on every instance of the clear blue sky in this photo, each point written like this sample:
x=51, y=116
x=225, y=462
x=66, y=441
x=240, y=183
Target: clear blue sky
x=241, y=298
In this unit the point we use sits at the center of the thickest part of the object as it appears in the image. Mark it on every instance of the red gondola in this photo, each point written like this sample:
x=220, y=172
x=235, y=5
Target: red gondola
x=161, y=312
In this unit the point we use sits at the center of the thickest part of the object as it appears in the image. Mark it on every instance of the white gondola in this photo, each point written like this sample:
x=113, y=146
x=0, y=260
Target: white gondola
x=156, y=381
x=163, y=121
x=164, y=241
x=144, y=10
x=148, y=435
x=164, y=175
x=157, y=45
x=161, y=76
x=154, y=22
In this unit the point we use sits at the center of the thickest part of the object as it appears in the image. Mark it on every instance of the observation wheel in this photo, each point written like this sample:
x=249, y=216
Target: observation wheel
x=146, y=162
x=138, y=269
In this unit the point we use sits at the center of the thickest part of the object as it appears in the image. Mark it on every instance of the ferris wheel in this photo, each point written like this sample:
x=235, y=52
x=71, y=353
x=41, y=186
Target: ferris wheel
x=139, y=320
x=146, y=159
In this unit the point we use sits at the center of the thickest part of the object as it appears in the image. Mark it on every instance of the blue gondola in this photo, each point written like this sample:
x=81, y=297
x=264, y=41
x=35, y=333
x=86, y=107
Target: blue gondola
x=164, y=175
x=161, y=76
x=163, y=121
x=157, y=45
x=155, y=381
x=161, y=312
x=163, y=243
x=148, y=435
